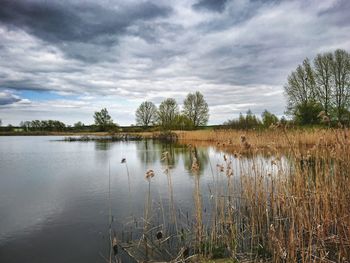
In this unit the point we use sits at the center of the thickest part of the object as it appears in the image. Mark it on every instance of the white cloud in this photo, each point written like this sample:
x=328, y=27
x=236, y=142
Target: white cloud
x=239, y=59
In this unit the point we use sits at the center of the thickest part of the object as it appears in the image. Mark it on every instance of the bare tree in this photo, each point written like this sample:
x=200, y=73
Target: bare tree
x=300, y=89
x=325, y=87
x=146, y=114
x=341, y=75
x=323, y=77
x=196, y=109
x=167, y=112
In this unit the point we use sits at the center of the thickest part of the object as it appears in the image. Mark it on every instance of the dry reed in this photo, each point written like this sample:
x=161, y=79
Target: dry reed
x=277, y=195
x=291, y=207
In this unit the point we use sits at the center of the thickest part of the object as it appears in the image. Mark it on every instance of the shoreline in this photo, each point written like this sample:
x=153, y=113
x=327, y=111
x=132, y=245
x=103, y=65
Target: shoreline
x=228, y=140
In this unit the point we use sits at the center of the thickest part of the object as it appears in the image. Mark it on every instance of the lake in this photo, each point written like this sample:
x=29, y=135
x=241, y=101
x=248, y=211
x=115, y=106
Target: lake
x=66, y=201
x=54, y=195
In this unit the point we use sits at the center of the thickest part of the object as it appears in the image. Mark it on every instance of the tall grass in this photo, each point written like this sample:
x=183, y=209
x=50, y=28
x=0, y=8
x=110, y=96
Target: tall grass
x=277, y=196
x=275, y=137
x=291, y=207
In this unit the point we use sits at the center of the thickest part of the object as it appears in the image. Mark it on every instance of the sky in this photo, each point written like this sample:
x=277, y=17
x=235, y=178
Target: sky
x=66, y=59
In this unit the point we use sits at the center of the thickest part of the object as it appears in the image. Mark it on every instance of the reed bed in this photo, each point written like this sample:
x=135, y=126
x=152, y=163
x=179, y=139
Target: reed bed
x=274, y=137
x=291, y=207
x=266, y=204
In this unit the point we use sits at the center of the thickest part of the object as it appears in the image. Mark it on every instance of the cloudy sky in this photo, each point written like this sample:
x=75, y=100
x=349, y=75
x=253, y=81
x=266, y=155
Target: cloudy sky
x=66, y=59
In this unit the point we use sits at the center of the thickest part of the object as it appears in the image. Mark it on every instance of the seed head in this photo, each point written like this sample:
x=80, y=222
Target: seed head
x=149, y=174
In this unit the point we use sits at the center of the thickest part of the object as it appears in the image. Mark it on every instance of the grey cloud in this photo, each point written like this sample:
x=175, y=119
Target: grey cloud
x=338, y=13
x=239, y=58
x=79, y=28
x=154, y=32
x=6, y=98
x=211, y=5
x=232, y=14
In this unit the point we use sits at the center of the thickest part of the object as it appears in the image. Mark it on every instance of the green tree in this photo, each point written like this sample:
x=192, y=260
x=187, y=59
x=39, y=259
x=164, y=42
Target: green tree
x=341, y=75
x=167, y=112
x=146, y=114
x=103, y=120
x=323, y=77
x=268, y=118
x=327, y=84
x=196, y=109
x=308, y=113
x=249, y=121
x=301, y=87
x=182, y=122
x=78, y=125
x=283, y=121
x=36, y=125
x=25, y=125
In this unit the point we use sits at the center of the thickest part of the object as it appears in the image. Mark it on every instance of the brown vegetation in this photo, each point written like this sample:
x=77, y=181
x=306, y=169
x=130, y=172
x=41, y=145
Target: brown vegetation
x=293, y=205
x=276, y=137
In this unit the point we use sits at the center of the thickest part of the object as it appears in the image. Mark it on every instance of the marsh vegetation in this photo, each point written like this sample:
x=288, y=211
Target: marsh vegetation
x=275, y=196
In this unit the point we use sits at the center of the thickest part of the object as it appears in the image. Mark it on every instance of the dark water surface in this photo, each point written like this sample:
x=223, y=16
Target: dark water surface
x=54, y=195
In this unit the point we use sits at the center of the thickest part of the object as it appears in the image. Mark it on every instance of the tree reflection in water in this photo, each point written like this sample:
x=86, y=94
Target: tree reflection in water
x=149, y=151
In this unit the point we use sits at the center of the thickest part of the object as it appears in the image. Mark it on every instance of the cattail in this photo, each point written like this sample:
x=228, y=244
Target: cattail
x=149, y=174
x=115, y=245
x=229, y=172
x=165, y=156
x=195, y=167
x=246, y=145
x=195, y=164
x=159, y=235
x=221, y=167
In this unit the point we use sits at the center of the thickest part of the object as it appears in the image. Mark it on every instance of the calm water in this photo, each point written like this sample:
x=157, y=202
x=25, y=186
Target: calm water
x=54, y=195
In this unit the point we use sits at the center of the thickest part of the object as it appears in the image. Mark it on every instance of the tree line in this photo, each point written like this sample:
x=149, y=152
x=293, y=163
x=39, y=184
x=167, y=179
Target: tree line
x=102, y=122
x=167, y=116
x=251, y=121
x=317, y=92
x=43, y=125
x=320, y=91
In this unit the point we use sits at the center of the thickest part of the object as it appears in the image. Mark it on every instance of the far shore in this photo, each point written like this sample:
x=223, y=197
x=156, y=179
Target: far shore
x=223, y=138
x=54, y=133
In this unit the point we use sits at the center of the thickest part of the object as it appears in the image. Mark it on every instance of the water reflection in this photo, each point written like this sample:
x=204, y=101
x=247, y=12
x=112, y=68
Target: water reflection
x=200, y=154
x=149, y=152
x=102, y=146
x=54, y=194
